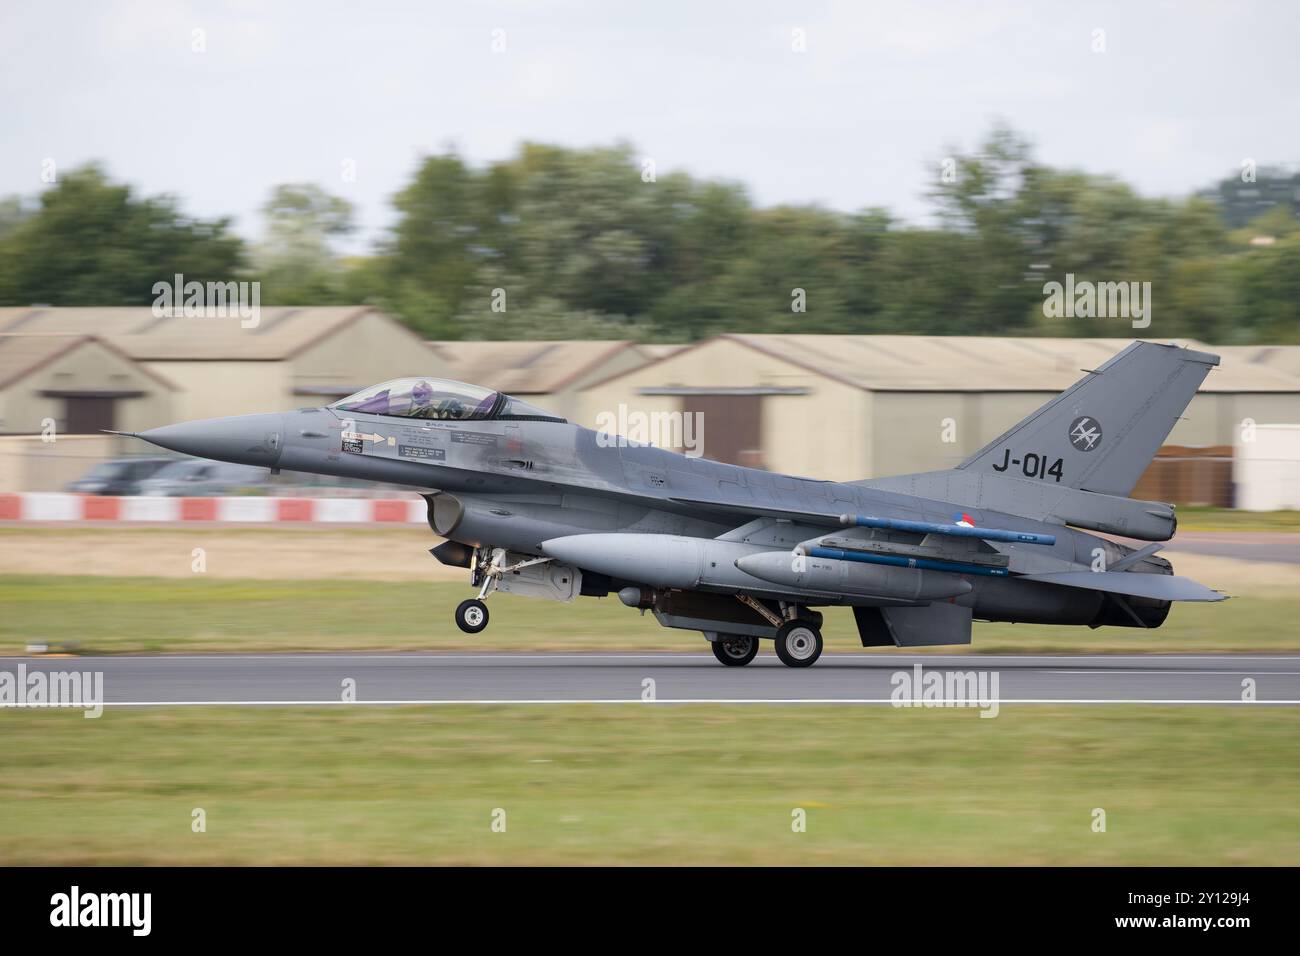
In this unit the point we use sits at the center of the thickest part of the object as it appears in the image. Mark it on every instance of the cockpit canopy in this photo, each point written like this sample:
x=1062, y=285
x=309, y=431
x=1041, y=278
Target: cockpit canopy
x=441, y=399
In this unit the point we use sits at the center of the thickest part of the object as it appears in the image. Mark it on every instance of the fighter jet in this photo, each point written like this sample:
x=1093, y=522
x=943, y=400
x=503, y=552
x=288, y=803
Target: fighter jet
x=531, y=504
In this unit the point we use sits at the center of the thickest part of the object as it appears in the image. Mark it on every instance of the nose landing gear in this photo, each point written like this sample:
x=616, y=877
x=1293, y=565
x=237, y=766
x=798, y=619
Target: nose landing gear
x=488, y=567
x=484, y=571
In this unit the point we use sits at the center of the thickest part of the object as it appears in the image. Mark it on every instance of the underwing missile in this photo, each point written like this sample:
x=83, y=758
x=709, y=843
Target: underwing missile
x=849, y=577
x=919, y=564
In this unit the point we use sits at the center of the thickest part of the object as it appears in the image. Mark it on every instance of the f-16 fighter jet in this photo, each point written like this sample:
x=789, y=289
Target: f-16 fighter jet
x=534, y=505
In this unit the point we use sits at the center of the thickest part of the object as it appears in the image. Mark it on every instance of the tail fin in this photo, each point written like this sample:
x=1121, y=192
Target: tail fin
x=1102, y=432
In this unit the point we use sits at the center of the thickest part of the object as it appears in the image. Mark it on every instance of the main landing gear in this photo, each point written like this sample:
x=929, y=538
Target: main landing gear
x=798, y=643
x=734, y=650
x=798, y=638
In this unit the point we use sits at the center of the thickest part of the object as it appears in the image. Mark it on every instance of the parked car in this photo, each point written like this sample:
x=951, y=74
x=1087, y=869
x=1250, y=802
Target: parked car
x=120, y=476
x=198, y=478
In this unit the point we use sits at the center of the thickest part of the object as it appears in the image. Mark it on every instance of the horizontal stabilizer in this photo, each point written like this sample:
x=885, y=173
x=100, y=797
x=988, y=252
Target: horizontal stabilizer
x=1159, y=587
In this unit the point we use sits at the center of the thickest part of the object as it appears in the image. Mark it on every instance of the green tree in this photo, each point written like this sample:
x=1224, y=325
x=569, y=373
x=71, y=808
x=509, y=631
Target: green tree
x=1266, y=285
x=92, y=242
x=295, y=261
x=1240, y=201
x=999, y=198
x=436, y=247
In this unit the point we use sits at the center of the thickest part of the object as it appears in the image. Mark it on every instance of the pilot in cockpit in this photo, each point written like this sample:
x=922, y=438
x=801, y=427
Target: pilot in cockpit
x=424, y=406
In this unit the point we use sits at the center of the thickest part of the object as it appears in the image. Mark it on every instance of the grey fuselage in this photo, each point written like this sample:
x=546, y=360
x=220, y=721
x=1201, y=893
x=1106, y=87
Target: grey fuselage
x=517, y=483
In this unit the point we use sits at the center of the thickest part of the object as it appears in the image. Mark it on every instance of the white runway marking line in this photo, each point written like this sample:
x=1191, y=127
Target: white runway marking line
x=408, y=656
x=1172, y=673
x=928, y=705
x=614, y=656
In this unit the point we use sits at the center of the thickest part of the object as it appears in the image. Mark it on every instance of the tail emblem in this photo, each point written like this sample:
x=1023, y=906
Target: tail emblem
x=1085, y=433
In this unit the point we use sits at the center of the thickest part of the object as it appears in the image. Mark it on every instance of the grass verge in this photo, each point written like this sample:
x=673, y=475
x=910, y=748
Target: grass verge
x=103, y=615
x=658, y=785
x=1227, y=519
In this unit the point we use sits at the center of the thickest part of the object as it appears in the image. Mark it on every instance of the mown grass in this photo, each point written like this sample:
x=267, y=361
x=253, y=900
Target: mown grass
x=1228, y=519
x=107, y=615
x=661, y=785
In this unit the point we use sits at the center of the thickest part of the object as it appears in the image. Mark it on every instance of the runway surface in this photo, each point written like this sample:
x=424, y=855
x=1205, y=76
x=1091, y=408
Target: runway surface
x=436, y=678
x=1282, y=547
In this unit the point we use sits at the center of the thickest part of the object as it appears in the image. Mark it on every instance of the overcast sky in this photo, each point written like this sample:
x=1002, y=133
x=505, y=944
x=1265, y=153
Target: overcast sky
x=289, y=91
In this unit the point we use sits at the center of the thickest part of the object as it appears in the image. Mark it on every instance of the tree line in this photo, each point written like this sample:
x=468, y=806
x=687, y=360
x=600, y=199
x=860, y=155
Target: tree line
x=569, y=243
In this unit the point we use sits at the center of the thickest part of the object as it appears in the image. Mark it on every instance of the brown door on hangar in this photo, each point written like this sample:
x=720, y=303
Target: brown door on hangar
x=731, y=426
x=88, y=414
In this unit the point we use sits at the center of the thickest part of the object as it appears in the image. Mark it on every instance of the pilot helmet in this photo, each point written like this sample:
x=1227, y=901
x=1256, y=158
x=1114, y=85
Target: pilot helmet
x=421, y=393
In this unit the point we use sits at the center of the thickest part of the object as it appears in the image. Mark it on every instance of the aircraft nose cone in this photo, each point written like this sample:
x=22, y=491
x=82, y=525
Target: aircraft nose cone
x=245, y=439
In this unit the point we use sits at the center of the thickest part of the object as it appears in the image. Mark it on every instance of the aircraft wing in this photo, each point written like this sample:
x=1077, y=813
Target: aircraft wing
x=867, y=521
x=761, y=511
x=1161, y=587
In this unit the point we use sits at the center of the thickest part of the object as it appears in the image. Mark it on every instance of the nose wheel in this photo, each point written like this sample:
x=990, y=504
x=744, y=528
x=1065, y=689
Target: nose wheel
x=798, y=644
x=471, y=615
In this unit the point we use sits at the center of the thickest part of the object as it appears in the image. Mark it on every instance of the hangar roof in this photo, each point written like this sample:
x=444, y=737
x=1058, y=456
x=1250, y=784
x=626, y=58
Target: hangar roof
x=658, y=350
x=1283, y=358
x=526, y=367
x=281, y=331
x=978, y=363
x=20, y=355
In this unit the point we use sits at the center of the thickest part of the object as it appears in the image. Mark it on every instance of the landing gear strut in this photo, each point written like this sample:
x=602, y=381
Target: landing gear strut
x=798, y=639
x=486, y=569
x=734, y=650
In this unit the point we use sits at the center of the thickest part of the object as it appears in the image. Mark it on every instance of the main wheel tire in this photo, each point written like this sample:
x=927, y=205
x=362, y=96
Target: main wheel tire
x=471, y=616
x=798, y=644
x=735, y=650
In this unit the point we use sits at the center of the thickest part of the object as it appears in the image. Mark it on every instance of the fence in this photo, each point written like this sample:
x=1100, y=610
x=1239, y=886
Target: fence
x=37, y=506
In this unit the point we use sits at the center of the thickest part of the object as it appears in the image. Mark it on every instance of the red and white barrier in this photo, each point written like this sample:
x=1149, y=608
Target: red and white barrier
x=245, y=510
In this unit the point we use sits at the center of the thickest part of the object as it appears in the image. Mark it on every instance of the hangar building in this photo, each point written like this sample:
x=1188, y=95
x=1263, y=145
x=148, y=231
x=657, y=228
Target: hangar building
x=292, y=357
x=549, y=373
x=844, y=407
